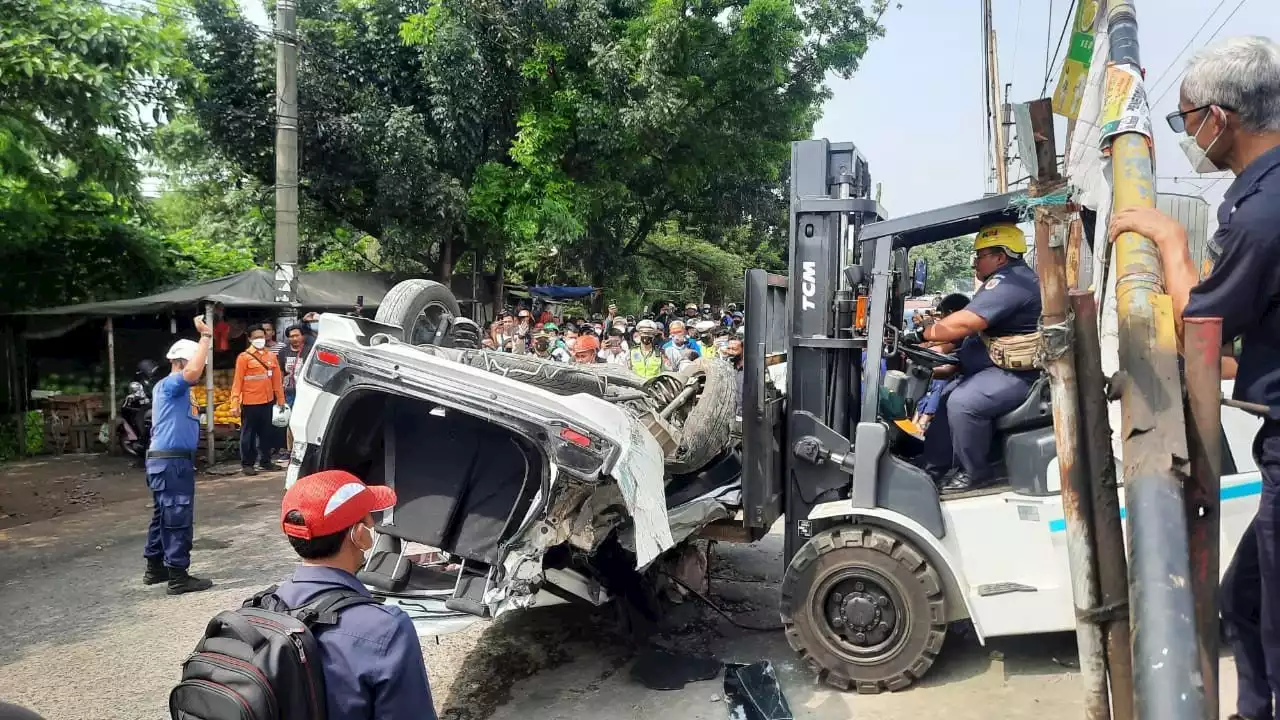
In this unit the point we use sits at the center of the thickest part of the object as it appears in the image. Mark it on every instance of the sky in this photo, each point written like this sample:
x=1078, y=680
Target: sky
x=915, y=106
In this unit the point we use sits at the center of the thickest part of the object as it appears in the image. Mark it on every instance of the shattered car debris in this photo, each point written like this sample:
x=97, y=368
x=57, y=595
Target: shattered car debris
x=521, y=482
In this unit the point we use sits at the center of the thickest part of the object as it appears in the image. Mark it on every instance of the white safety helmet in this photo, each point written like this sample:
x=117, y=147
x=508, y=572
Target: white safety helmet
x=704, y=326
x=280, y=415
x=182, y=350
x=647, y=327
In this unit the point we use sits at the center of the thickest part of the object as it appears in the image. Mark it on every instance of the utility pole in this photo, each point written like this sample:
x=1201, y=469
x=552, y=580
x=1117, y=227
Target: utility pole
x=1169, y=679
x=995, y=101
x=286, y=247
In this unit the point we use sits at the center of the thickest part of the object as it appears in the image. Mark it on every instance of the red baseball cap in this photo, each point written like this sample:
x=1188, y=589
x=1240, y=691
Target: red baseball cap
x=331, y=501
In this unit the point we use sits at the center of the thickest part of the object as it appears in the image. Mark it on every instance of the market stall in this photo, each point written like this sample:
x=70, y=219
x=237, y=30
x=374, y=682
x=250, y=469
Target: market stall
x=235, y=301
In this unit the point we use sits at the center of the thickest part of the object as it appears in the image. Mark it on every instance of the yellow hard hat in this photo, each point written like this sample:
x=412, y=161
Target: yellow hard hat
x=1003, y=235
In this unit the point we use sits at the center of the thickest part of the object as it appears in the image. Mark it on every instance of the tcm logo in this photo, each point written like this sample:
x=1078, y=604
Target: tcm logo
x=808, y=285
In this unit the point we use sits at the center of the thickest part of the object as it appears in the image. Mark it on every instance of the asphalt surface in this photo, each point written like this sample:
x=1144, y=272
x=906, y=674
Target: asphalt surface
x=82, y=638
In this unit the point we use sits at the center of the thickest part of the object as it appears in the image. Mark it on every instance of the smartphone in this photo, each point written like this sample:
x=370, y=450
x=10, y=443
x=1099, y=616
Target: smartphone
x=360, y=300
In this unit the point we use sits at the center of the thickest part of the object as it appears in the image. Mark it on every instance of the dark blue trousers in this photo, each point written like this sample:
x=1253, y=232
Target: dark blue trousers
x=173, y=490
x=961, y=429
x=1251, y=590
x=257, y=434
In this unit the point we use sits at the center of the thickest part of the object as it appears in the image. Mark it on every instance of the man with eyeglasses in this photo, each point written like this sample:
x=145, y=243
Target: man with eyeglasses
x=1229, y=110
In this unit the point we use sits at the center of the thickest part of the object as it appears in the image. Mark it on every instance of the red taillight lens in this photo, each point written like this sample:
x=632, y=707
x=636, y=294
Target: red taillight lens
x=575, y=437
x=328, y=357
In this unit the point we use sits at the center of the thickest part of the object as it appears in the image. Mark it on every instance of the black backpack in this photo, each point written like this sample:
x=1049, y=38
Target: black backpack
x=260, y=662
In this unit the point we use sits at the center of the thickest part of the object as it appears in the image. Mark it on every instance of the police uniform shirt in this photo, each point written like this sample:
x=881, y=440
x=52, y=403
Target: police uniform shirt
x=1244, y=286
x=1009, y=301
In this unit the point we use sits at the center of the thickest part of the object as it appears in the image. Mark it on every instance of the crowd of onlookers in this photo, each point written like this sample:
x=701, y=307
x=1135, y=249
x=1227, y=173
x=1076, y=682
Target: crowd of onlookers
x=664, y=339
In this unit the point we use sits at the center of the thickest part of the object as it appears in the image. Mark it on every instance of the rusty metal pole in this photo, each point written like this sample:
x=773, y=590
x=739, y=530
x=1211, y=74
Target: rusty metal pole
x=1168, y=684
x=1108, y=535
x=1202, y=350
x=1037, y=118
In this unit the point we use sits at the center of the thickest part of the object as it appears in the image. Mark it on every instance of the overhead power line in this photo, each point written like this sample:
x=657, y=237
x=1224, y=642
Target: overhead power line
x=1190, y=40
x=1048, y=67
x=1207, y=40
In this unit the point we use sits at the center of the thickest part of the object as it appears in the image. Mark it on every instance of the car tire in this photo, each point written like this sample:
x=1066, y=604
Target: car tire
x=417, y=306
x=704, y=434
x=869, y=579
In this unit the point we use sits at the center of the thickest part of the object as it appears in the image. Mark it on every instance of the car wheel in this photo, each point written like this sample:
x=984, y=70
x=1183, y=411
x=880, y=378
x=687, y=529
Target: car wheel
x=704, y=431
x=864, y=608
x=420, y=308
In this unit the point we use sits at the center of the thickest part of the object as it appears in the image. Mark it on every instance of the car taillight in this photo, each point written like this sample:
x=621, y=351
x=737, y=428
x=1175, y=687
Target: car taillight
x=575, y=437
x=323, y=366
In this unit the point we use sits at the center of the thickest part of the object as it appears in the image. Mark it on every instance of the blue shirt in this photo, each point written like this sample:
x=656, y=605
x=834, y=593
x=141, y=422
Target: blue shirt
x=1244, y=286
x=174, y=423
x=1010, y=303
x=372, y=660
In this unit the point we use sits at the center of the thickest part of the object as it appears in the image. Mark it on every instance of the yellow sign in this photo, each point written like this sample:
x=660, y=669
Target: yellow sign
x=1075, y=68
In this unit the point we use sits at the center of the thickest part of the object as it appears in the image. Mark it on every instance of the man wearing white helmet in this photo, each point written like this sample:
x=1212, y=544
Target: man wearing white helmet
x=171, y=468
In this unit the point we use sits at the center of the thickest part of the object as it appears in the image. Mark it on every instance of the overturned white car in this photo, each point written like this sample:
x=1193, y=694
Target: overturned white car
x=521, y=482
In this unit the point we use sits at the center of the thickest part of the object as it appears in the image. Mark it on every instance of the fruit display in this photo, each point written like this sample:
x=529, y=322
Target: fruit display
x=222, y=381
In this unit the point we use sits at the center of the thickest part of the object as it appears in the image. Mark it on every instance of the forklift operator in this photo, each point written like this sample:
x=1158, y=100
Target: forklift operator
x=998, y=336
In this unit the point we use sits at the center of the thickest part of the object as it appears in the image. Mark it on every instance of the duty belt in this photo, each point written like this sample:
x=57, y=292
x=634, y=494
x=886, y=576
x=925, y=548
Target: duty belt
x=171, y=455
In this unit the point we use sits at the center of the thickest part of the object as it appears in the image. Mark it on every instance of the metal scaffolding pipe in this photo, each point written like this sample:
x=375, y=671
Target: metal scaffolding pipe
x=1202, y=343
x=1113, y=570
x=1059, y=363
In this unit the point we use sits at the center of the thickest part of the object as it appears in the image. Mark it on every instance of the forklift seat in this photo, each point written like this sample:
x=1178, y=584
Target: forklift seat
x=1034, y=412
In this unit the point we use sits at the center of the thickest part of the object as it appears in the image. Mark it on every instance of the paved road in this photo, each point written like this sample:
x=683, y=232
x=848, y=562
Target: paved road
x=82, y=639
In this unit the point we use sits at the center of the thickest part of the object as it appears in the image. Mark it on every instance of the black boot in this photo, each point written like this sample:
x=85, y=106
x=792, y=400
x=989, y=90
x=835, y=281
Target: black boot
x=180, y=582
x=156, y=571
x=960, y=482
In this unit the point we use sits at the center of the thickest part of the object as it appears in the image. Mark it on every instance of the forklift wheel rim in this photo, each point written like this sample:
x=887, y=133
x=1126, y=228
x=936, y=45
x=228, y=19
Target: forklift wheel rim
x=874, y=582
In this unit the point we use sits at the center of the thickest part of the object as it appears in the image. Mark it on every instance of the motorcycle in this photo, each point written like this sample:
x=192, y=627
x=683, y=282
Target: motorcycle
x=132, y=430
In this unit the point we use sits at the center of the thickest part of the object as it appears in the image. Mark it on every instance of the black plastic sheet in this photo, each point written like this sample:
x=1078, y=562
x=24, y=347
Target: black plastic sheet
x=753, y=693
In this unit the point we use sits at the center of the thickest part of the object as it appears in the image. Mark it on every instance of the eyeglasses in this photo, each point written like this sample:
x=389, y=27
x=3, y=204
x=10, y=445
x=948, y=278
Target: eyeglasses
x=1178, y=119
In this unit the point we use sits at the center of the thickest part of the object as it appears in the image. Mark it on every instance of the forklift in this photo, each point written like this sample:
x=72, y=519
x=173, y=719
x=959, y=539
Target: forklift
x=878, y=563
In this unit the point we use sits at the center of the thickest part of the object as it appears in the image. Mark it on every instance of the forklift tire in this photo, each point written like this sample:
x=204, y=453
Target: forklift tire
x=418, y=307
x=864, y=608
x=704, y=434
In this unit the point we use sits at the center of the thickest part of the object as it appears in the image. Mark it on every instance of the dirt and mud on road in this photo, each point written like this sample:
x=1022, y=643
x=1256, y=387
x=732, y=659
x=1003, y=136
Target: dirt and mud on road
x=83, y=639
x=55, y=485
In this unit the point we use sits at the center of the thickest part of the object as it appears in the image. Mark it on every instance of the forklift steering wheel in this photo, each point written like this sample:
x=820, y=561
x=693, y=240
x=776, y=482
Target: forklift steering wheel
x=927, y=357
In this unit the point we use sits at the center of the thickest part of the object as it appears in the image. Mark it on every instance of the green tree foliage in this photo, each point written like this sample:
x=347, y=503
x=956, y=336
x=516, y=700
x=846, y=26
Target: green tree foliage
x=559, y=139
x=75, y=79
x=950, y=265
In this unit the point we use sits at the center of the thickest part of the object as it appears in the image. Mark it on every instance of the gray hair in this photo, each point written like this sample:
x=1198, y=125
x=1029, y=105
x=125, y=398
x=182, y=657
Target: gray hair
x=1242, y=73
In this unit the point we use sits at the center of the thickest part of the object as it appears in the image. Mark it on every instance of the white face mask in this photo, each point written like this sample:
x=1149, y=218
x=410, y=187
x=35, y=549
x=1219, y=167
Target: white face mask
x=258, y=343
x=1198, y=156
x=373, y=541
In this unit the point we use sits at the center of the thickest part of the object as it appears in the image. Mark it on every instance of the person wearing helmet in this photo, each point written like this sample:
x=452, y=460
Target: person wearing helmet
x=703, y=329
x=171, y=467
x=998, y=333
x=645, y=359
x=586, y=350
x=547, y=347
x=690, y=311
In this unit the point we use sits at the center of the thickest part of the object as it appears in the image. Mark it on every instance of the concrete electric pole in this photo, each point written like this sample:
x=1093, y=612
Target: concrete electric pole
x=286, y=247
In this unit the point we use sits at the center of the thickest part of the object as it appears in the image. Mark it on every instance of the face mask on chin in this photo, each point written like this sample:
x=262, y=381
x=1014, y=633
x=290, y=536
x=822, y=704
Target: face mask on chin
x=1198, y=156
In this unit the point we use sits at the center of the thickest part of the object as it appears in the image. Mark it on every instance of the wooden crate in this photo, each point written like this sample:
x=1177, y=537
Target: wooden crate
x=72, y=422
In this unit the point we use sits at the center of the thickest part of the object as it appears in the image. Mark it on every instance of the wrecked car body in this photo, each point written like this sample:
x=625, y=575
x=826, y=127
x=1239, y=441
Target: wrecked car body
x=510, y=495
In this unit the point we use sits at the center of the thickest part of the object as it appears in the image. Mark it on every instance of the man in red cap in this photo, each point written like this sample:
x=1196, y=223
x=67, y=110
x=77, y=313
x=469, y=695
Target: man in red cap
x=372, y=660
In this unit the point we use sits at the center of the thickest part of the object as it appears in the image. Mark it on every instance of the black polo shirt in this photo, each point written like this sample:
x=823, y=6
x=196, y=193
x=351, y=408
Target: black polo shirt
x=1244, y=286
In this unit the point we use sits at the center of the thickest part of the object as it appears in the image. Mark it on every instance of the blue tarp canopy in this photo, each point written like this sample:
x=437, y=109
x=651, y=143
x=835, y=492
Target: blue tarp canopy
x=560, y=292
